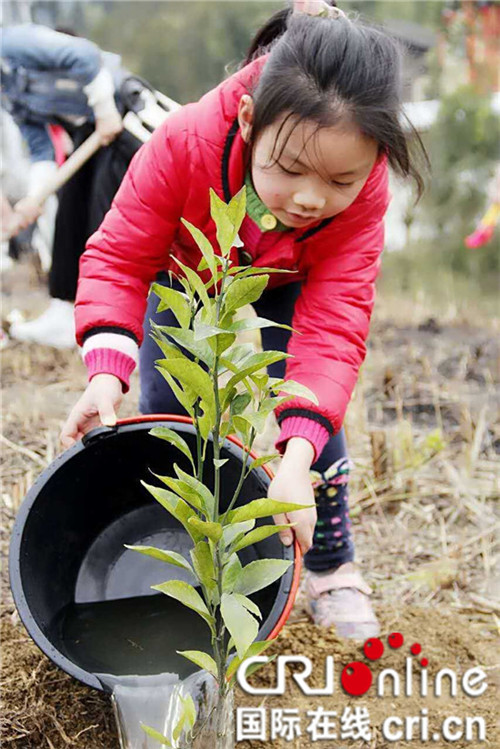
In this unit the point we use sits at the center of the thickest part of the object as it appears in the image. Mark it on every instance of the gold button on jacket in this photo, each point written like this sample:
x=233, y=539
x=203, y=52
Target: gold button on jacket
x=268, y=221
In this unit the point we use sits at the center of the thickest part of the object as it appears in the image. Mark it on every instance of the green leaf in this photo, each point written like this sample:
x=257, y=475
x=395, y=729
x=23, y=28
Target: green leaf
x=205, y=424
x=183, y=396
x=254, y=323
x=260, y=380
x=262, y=461
x=261, y=508
x=189, y=709
x=257, y=420
x=188, y=596
x=230, y=573
x=251, y=365
x=242, y=626
x=236, y=529
x=244, y=270
x=244, y=291
x=249, y=605
x=222, y=342
x=198, y=487
x=184, y=491
x=239, y=403
x=295, y=388
x=259, y=574
x=203, y=564
x=204, y=245
x=213, y=531
x=185, y=338
x=174, y=300
x=256, y=666
x=237, y=356
x=185, y=720
x=256, y=648
x=195, y=377
x=203, y=331
x=263, y=531
x=269, y=404
x=195, y=281
x=226, y=232
x=189, y=394
x=176, y=507
x=168, y=349
x=201, y=659
x=242, y=427
x=156, y=735
x=203, y=265
x=236, y=208
x=225, y=429
x=219, y=462
x=171, y=557
x=164, y=433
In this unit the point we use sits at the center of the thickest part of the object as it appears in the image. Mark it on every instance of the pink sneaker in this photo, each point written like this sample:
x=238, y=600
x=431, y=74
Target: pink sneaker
x=340, y=599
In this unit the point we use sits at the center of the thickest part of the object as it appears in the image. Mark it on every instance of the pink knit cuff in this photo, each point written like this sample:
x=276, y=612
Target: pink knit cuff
x=110, y=361
x=302, y=426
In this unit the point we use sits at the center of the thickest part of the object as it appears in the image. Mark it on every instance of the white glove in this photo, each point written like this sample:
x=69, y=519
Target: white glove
x=101, y=97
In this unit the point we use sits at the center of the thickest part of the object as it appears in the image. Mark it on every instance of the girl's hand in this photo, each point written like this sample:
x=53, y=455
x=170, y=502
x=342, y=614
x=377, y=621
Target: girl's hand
x=96, y=407
x=292, y=483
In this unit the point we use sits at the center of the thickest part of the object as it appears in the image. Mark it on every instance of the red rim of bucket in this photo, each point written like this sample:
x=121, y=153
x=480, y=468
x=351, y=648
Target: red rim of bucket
x=298, y=556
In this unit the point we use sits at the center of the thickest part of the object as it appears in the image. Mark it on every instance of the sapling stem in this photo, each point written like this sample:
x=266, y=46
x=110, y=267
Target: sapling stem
x=224, y=583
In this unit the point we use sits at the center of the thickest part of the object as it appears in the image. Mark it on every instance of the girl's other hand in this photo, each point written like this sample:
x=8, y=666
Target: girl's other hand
x=96, y=407
x=292, y=483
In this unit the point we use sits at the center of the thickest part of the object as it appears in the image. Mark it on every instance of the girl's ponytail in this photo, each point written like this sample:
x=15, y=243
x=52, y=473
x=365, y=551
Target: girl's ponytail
x=271, y=31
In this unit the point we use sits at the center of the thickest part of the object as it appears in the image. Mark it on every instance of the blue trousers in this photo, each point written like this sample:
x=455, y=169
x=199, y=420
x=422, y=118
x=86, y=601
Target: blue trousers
x=332, y=541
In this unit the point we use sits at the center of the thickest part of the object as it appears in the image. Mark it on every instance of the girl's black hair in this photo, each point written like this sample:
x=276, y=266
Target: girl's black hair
x=334, y=71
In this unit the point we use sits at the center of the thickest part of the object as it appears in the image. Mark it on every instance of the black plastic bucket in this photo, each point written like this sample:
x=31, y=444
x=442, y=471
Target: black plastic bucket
x=74, y=582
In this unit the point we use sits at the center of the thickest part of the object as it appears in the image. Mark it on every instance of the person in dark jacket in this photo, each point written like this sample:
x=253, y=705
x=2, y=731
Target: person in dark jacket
x=50, y=77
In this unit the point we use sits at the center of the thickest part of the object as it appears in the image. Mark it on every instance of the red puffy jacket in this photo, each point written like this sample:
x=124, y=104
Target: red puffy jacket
x=198, y=147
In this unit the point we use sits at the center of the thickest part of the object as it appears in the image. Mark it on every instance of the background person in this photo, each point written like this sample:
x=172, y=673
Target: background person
x=54, y=77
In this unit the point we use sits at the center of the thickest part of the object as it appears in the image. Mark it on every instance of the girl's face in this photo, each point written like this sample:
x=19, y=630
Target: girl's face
x=320, y=173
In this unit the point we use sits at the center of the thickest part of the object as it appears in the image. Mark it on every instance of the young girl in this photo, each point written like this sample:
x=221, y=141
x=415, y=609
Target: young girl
x=309, y=124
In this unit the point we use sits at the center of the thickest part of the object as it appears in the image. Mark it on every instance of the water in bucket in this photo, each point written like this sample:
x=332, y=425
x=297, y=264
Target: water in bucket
x=87, y=601
x=130, y=644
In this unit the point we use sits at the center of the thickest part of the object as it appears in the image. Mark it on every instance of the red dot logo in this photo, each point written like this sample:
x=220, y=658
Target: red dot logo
x=416, y=649
x=424, y=662
x=373, y=648
x=395, y=640
x=356, y=678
